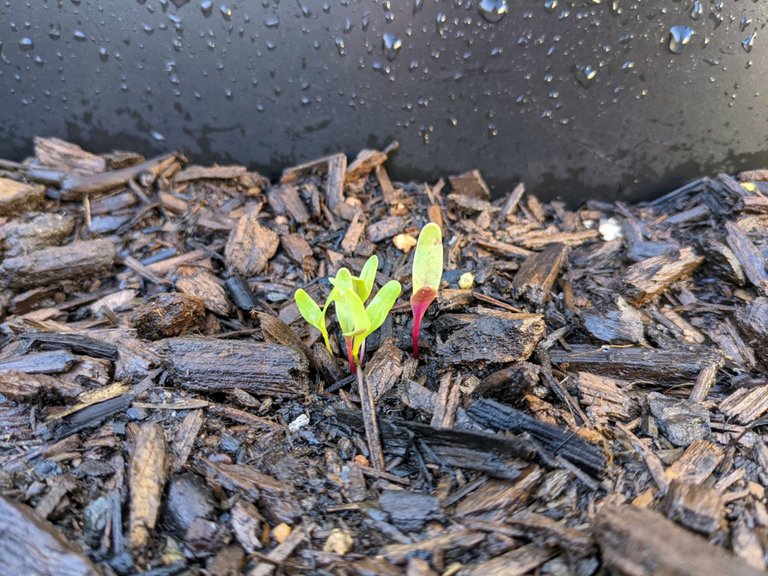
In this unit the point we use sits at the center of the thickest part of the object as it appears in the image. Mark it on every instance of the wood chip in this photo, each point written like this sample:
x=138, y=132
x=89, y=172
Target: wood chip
x=146, y=478
x=648, y=279
x=506, y=338
x=17, y=197
x=539, y=272
x=250, y=246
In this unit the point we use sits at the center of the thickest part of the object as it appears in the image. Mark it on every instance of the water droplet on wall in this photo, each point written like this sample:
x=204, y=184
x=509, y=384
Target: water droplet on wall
x=272, y=22
x=207, y=7
x=157, y=136
x=493, y=10
x=391, y=45
x=585, y=74
x=103, y=54
x=26, y=44
x=550, y=5
x=679, y=38
x=79, y=35
x=749, y=42
x=697, y=10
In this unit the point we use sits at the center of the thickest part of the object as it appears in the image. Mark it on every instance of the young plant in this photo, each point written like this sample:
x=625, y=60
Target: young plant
x=427, y=272
x=356, y=320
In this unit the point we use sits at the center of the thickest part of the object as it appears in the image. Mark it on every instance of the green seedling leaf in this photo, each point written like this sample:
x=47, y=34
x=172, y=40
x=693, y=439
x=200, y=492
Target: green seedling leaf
x=364, y=283
x=427, y=272
x=353, y=319
x=377, y=312
x=312, y=313
x=428, y=259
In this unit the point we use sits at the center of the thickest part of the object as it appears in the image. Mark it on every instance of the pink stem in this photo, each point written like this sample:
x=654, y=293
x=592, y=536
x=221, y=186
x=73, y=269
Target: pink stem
x=419, y=310
x=350, y=355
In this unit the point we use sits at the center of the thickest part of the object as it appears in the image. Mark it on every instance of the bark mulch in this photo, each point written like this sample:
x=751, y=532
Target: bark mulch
x=593, y=400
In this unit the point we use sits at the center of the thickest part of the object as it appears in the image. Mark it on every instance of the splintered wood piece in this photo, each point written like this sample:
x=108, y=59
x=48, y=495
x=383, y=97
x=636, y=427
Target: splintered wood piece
x=146, y=479
x=168, y=314
x=195, y=172
x=185, y=439
x=460, y=448
x=649, y=278
x=384, y=369
x=446, y=401
x=662, y=366
x=512, y=202
x=471, y=185
x=247, y=523
x=18, y=197
x=353, y=233
x=365, y=163
x=746, y=405
x=19, y=237
x=638, y=542
x=388, y=191
x=250, y=246
x=49, y=362
x=334, y=187
x=536, y=240
x=275, y=330
x=605, y=397
x=503, y=247
x=732, y=345
x=203, y=284
x=539, y=272
x=497, y=499
x=507, y=338
x=74, y=185
x=516, y=562
x=57, y=153
x=697, y=463
x=286, y=200
x=248, y=479
x=79, y=260
x=472, y=204
x=454, y=540
x=256, y=367
x=695, y=506
x=705, y=380
x=749, y=256
x=31, y=545
x=370, y=422
x=78, y=343
x=551, y=438
x=385, y=228
x=19, y=385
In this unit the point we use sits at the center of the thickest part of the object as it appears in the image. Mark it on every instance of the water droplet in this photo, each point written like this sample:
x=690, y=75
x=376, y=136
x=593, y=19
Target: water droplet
x=746, y=21
x=54, y=32
x=103, y=54
x=493, y=10
x=79, y=35
x=697, y=10
x=492, y=130
x=391, y=45
x=157, y=136
x=628, y=65
x=340, y=46
x=226, y=12
x=440, y=21
x=39, y=60
x=585, y=74
x=229, y=94
x=272, y=22
x=26, y=44
x=550, y=5
x=749, y=42
x=207, y=7
x=418, y=5
x=148, y=28
x=679, y=38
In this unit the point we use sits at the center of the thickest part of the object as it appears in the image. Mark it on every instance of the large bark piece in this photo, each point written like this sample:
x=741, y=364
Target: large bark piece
x=537, y=275
x=33, y=547
x=649, y=278
x=250, y=246
x=90, y=259
x=638, y=542
x=256, y=367
x=507, y=338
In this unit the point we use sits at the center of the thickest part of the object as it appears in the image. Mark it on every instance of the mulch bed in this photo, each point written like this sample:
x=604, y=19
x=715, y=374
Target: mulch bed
x=593, y=403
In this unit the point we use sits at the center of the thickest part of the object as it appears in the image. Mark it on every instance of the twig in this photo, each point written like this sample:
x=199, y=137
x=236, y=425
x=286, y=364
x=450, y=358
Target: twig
x=370, y=422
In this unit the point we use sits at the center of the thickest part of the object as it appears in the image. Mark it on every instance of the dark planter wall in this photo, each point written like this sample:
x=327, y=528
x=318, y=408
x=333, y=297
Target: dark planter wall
x=579, y=99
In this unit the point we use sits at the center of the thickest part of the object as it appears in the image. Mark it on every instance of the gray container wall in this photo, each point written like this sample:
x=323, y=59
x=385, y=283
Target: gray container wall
x=578, y=99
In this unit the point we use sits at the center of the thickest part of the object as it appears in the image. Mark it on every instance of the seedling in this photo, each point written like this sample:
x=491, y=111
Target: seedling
x=427, y=272
x=357, y=321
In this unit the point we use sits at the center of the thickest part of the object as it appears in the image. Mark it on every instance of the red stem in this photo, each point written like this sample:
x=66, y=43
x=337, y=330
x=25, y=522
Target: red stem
x=419, y=309
x=350, y=355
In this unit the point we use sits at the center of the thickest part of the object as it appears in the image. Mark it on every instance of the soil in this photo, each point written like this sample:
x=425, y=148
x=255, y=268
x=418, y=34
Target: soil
x=590, y=396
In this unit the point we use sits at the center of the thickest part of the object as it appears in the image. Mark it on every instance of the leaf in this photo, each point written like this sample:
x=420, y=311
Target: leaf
x=378, y=309
x=364, y=283
x=428, y=259
x=311, y=312
x=351, y=309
